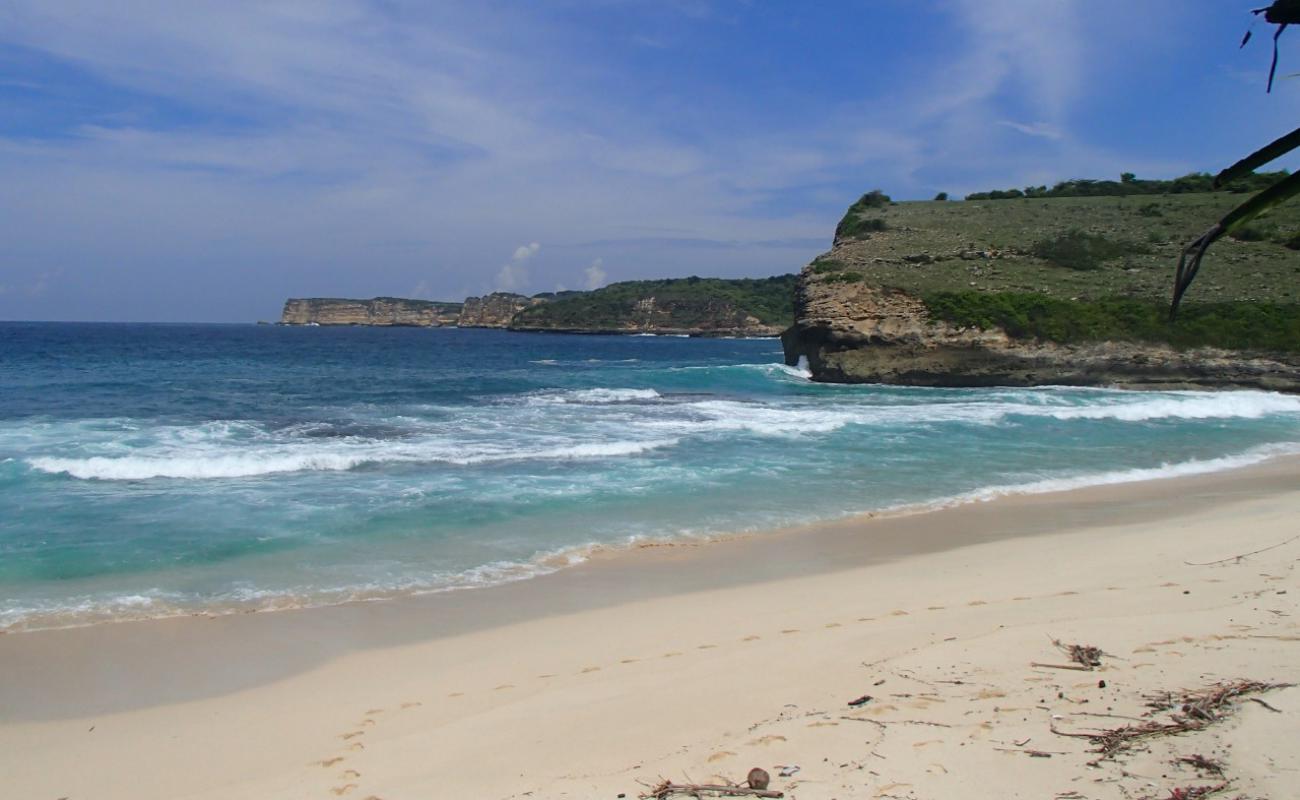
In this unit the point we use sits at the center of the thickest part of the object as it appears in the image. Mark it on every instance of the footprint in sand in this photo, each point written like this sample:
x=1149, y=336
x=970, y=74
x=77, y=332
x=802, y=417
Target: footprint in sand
x=547, y=675
x=934, y=608
x=352, y=735
x=790, y=630
x=866, y=619
x=928, y=742
x=589, y=669
x=977, y=603
x=898, y=613
x=412, y=704
x=356, y=746
x=366, y=722
x=1022, y=597
x=673, y=654
x=832, y=625
x=751, y=638
x=373, y=711
x=628, y=661
x=720, y=755
x=349, y=774
x=765, y=740
x=344, y=789
x=456, y=694
x=329, y=762
x=1066, y=593
x=706, y=647
x=503, y=686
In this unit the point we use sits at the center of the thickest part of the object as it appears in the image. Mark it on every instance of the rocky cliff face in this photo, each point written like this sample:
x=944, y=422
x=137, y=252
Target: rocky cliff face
x=495, y=310
x=383, y=311
x=861, y=334
x=860, y=317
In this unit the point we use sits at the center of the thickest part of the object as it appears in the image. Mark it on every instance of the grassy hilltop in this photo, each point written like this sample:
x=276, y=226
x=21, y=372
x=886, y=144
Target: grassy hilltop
x=1073, y=269
x=701, y=304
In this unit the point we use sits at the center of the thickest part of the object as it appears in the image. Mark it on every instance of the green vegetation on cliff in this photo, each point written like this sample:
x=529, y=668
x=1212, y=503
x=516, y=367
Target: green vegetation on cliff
x=680, y=303
x=1234, y=326
x=1076, y=269
x=1129, y=184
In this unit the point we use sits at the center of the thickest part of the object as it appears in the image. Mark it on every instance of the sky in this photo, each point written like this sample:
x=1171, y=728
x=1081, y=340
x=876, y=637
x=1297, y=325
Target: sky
x=202, y=161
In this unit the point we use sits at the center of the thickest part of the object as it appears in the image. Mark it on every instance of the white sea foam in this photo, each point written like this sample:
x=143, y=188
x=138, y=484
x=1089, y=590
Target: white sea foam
x=254, y=463
x=1197, y=405
x=601, y=395
x=1253, y=456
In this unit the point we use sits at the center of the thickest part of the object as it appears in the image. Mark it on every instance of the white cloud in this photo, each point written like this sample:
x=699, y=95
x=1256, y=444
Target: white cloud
x=1043, y=130
x=595, y=274
x=513, y=277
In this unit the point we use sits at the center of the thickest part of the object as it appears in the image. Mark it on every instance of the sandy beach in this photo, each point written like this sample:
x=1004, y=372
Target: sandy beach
x=693, y=664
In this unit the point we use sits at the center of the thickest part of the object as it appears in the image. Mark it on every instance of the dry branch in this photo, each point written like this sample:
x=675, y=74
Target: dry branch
x=1243, y=555
x=667, y=789
x=1195, y=792
x=1195, y=710
x=1085, y=655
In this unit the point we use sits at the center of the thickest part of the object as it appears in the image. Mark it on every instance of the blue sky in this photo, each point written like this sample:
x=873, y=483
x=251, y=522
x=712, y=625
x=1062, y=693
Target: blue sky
x=200, y=161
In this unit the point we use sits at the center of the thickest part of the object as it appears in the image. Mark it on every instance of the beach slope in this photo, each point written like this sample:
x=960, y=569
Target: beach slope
x=891, y=657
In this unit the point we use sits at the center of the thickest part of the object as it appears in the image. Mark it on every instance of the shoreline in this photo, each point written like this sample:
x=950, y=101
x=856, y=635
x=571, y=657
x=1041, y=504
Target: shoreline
x=558, y=561
x=615, y=575
x=690, y=661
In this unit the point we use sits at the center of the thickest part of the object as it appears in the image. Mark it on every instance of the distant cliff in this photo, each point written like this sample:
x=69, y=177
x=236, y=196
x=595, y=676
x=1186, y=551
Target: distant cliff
x=691, y=306
x=494, y=310
x=1046, y=291
x=385, y=311
x=682, y=306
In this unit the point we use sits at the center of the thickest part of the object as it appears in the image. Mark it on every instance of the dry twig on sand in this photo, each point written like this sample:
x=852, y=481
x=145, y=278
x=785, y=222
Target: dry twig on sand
x=1195, y=710
x=1242, y=555
x=1083, y=654
x=1201, y=763
x=1195, y=792
x=668, y=789
x=1209, y=703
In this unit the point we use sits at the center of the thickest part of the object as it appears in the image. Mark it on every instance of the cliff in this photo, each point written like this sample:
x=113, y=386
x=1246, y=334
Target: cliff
x=1046, y=291
x=683, y=306
x=495, y=310
x=377, y=311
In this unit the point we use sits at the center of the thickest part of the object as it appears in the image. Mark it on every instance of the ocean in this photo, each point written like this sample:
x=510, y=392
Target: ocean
x=156, y=470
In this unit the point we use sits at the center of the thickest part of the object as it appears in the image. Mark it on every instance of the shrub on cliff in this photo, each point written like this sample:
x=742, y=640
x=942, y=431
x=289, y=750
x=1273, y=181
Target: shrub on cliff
x=854, y=226
x=1023, y=315
x=1076, y=249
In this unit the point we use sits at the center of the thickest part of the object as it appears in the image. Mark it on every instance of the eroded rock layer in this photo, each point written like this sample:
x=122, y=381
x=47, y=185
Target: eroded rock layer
x=384, y=311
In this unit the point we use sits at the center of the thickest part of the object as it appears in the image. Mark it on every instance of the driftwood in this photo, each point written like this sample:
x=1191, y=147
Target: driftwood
x=1191, y=711
x=667, y=789
x=1196, y=792
x=1085, y=655
x=1060, y=666
x=1243, y=555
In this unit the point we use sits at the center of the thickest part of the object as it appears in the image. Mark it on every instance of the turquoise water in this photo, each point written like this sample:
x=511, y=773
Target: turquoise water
x=150, y=470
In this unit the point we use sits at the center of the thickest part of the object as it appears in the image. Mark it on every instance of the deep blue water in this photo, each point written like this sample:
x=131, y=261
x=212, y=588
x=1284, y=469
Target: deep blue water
x=157, y=469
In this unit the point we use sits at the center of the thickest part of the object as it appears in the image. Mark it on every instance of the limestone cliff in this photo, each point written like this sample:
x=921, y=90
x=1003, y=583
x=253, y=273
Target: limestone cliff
x=383, y=311
x=944, y=294
x=495, y=310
